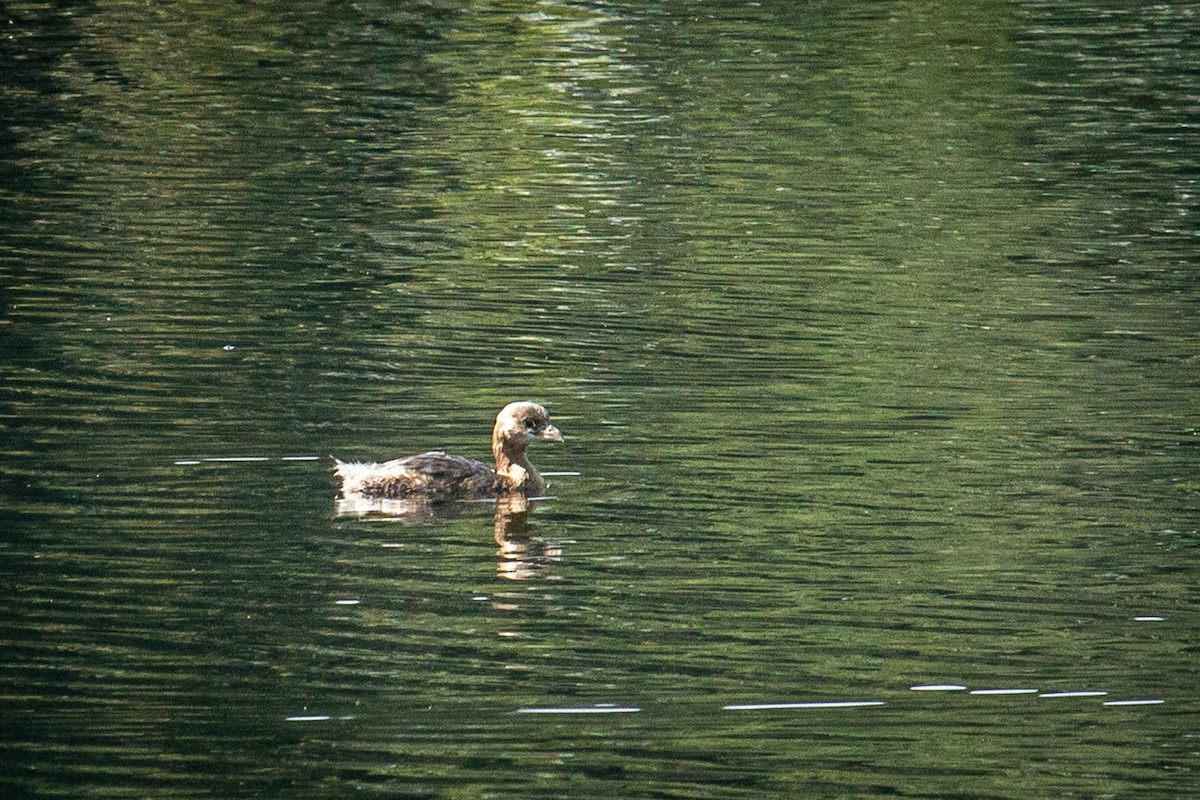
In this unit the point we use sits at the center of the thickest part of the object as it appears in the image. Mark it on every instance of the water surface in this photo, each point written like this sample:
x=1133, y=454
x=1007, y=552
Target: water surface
x=872, y=329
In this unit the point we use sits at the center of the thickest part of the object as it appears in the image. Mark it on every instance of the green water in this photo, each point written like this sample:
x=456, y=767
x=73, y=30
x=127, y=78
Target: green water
x=872, y=328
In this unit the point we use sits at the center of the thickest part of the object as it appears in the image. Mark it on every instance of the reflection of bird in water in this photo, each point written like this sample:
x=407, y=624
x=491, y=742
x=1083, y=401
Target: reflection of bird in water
x=437, y=477
x=521, y=555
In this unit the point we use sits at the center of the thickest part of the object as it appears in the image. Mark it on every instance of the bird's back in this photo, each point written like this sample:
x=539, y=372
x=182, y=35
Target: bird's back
x=435, y=475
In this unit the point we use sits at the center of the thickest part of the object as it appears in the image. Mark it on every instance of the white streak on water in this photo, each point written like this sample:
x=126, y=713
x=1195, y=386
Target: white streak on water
x=600, y=709
x=234, y=459
x=188, y=462
x=828, y=704
x=316, y=718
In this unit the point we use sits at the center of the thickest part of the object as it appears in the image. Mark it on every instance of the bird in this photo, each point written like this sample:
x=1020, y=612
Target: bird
x=439, y=477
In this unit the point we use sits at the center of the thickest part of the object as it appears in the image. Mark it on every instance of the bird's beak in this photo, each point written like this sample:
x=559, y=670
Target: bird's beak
x=551, y=434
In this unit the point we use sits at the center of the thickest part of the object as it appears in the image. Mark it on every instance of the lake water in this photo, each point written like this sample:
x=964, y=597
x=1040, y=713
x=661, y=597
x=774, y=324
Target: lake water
x=873, y=328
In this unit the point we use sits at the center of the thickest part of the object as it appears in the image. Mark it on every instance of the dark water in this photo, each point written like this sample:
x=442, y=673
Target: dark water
x=873, y=328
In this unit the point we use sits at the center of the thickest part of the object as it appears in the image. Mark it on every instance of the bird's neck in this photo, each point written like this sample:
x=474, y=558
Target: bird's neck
x=513, y=470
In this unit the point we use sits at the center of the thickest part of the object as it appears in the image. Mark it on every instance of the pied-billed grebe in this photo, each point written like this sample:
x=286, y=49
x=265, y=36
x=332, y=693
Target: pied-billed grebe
x=439, y=477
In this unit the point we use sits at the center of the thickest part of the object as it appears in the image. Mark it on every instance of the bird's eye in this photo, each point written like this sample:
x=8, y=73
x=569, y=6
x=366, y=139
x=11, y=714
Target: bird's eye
x=531, y=424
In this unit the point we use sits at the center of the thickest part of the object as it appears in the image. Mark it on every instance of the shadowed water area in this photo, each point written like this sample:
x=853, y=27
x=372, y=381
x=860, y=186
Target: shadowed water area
x=873, y=330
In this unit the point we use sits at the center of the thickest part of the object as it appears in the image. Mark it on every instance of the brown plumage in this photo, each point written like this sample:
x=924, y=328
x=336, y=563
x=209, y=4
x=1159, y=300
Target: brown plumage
x=439, y=477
